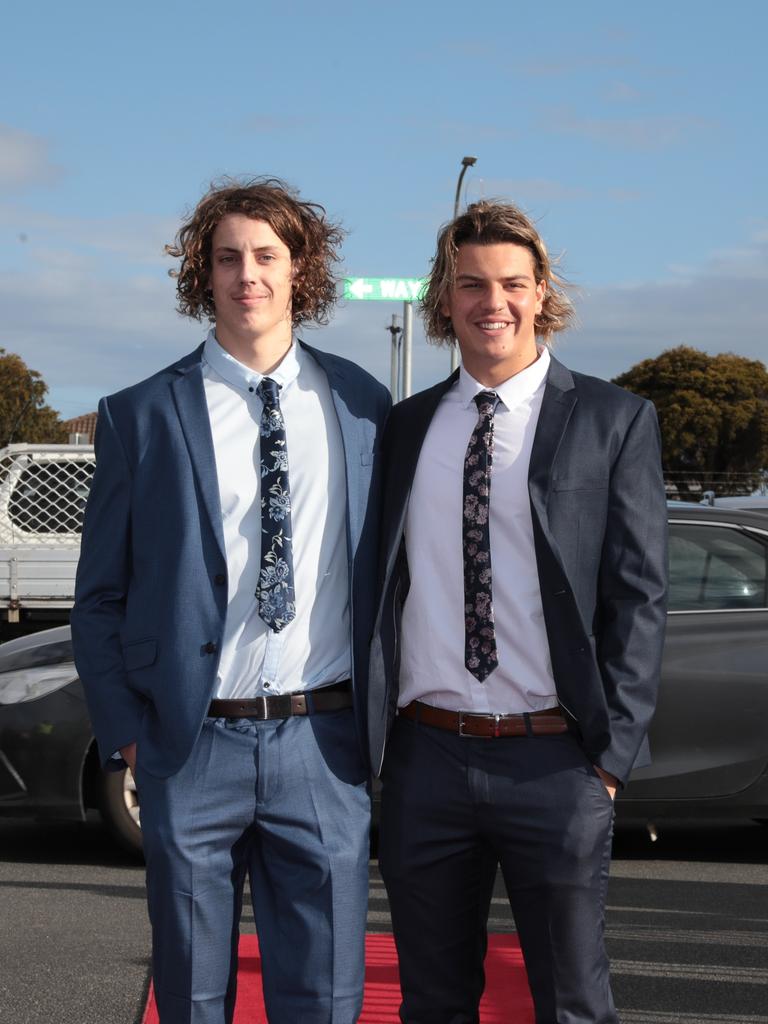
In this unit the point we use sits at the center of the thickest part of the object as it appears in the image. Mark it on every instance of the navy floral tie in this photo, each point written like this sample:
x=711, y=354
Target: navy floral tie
x=480, y=655
x=275, y=590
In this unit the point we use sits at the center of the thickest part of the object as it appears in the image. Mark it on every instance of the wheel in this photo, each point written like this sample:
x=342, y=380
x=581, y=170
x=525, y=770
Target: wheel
x=119, y=808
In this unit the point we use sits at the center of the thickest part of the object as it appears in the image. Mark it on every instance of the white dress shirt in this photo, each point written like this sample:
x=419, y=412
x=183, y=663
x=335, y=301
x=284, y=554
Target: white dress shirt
x=314, y=649
x=432, y=659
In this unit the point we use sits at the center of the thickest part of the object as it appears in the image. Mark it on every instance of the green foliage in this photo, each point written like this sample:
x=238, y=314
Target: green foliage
x=24, y=415
x=713, y=413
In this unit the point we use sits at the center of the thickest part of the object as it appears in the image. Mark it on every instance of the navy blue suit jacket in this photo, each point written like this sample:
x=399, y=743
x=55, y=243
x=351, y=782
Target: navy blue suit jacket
x=151, y=593
x=600, y=534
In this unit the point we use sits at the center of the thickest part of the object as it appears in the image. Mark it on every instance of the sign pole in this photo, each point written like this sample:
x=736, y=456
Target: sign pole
x=394, y=379
x=407, y=346
x=385, y=289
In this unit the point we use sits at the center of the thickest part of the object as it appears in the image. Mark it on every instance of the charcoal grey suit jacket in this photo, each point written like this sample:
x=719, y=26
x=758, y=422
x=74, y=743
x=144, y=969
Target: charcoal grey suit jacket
x=600, y=536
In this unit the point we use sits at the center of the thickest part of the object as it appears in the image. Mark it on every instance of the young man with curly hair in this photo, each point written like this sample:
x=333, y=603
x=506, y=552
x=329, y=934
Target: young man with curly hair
x=223, y=610
x=519, y=636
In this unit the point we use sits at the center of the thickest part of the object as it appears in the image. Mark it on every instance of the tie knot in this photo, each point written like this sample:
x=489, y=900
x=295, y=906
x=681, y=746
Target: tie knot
x=486, y=402
x=269, y=392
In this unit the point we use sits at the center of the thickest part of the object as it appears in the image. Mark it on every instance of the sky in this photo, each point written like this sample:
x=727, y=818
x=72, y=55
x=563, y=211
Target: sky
x=634, y=136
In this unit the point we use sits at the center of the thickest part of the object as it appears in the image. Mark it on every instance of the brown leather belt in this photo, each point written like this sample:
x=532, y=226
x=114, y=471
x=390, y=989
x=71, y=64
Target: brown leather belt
x=549, y=722
x=284, y=705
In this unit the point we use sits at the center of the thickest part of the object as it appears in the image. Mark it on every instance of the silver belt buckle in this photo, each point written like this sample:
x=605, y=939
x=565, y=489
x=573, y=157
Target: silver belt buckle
x=474, y=714
x=262, y=709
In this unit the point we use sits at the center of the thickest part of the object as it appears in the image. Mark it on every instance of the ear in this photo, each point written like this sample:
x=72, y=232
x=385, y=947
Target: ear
x=541, y=291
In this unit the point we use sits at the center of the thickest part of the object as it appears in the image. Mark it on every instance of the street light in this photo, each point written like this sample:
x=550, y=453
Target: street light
x=466, y=161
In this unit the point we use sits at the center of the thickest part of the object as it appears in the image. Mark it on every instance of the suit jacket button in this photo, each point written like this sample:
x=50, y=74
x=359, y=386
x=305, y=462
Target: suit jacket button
x=210, y=647
x=219, y=579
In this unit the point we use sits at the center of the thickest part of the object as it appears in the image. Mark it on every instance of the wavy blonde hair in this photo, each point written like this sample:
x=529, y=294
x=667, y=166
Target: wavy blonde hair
x=486, y=223
x=312, y=239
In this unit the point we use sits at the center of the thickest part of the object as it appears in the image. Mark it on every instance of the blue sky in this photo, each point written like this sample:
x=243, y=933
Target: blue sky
x=634, y=135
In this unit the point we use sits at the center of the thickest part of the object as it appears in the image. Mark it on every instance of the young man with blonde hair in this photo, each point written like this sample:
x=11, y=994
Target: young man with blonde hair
x=516, y=657
x=223, y=612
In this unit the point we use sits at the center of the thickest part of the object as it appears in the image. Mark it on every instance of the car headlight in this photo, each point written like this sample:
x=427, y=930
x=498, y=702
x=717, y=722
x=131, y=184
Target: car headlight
x=23, y=684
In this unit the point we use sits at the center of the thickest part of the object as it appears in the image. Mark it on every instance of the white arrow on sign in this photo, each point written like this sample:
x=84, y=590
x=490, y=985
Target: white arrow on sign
x=360, y=288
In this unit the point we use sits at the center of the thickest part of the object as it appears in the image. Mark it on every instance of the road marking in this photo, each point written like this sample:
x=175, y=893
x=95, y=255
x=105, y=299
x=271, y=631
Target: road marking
x=672, y=871
x=663, y=1017
x=378, y=917
x=691, y=972
x=684, y=913
x=647, y=933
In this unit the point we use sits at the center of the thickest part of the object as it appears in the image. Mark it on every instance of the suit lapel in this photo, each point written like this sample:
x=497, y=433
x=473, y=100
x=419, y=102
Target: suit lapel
x=350, y=434
x=189, y=395
x=417, y=413
x=556, y=409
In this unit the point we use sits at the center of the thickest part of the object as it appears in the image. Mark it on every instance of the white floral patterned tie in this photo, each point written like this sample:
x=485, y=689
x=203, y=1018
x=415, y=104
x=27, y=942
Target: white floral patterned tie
x=275, y=590
x=480, y=655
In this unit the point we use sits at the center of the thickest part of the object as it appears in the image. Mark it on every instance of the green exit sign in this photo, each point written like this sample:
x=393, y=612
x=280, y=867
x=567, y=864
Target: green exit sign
x=384, y=289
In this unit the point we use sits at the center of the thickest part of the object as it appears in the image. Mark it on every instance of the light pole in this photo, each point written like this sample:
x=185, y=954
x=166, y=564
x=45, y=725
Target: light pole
x=407, y=347
x=394, y=385
x=466, y=161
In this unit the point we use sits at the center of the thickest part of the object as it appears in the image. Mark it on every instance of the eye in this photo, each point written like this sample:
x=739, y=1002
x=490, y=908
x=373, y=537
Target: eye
x=266, y=257
x=226, y=259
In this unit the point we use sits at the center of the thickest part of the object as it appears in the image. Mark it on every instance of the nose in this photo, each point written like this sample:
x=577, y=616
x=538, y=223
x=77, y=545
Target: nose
x=494, y=297
x=248, y=268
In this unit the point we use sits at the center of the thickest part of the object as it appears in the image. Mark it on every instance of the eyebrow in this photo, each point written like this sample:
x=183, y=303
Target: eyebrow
x=229, y=248
x=505, y=277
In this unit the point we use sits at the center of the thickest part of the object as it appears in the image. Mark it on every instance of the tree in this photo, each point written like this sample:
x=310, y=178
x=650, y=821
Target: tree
x=24, y=415
x=713, y=414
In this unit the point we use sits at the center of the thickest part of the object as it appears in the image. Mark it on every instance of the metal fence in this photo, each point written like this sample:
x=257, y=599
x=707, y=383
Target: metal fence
x=693, y=485
x=43, y=492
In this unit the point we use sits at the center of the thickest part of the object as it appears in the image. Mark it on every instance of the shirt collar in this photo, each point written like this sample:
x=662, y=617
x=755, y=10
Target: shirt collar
x=512, y=391
x=243, y=377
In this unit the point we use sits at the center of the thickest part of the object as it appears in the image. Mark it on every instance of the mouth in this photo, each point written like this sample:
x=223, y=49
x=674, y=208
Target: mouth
x=493, y=325
x=249, y=300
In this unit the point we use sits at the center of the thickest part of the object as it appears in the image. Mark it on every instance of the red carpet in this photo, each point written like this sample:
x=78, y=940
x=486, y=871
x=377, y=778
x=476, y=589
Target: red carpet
x=506, y=995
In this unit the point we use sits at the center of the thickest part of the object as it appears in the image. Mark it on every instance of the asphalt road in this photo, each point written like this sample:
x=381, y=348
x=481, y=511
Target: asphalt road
x=687, y=926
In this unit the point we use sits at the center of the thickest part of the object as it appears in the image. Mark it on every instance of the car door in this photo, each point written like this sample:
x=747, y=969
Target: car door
x=709, y=737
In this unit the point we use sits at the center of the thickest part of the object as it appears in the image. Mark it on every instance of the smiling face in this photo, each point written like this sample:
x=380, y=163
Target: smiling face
x=492, y=304
x=251, y=278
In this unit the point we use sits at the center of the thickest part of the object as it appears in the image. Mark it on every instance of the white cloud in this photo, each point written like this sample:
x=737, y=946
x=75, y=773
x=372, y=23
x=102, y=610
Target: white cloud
x=718, y=307
x=137, y=237
x=642, y=133
x=24, y=160
x=621, y=92
x=528, y=190
x=90, y=334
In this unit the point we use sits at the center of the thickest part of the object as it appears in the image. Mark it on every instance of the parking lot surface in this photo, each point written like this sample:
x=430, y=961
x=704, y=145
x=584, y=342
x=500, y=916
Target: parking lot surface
x=687, y=925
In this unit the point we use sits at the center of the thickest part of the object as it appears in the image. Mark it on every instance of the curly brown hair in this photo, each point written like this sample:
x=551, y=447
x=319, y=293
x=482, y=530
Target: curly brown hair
x=312, y=239
x=485, y=223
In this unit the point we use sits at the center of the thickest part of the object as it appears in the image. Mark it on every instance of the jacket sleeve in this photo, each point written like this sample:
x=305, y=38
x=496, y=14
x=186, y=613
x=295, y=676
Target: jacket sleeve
x=632, y=590
x=100, y=597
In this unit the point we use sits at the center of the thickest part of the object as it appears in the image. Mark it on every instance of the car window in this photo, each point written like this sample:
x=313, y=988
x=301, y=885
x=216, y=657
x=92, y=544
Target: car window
x=713, y=567
x=50, y=497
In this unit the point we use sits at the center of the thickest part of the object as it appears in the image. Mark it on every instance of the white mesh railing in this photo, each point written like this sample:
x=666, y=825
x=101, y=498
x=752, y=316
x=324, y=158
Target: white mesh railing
x=43, y=492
